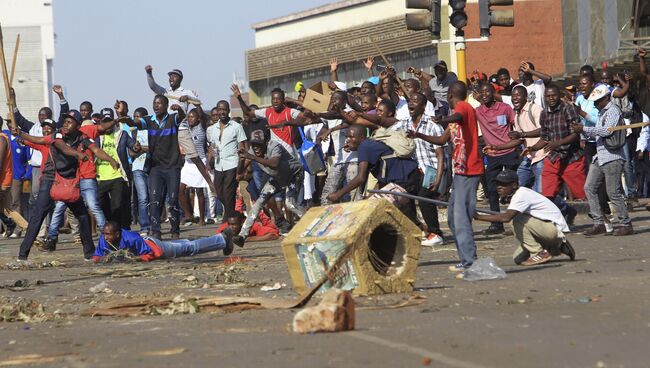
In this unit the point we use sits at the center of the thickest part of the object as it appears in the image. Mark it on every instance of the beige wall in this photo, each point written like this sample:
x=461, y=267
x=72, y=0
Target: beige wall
x=334, y=21
x=34, y=20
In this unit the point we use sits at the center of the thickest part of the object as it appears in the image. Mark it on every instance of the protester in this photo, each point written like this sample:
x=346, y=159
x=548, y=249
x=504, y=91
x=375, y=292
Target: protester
x=285, y=175
x=535, y=87
x=564, y=162
x=165, y=161
x=496, y=120
x=145, y=249
x=180, y=95
x=538, y=224
x=6, y=171
x=114, y=177
x=607, y=165
x=191, y=177
x=378, y=158
x=462, y=131
x=263, y=229
x=226, y=139
x=64, y=149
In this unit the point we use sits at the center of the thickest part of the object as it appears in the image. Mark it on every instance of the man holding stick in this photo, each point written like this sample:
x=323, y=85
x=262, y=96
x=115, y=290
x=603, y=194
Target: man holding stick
x=538, y=224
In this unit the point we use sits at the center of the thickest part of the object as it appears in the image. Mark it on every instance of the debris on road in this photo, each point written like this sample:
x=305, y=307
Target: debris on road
x=22, y=310
x=334, y=313
x=484, y=269
x=274, y=287
x=165, y=352
x=102, y=287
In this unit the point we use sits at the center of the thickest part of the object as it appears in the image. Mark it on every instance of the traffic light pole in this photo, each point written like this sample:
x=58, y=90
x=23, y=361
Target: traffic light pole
x=460, y=56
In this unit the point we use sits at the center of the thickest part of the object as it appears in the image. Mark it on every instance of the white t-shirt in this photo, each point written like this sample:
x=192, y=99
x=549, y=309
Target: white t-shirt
x=338, y=141
x=536, y=205
x=402, y=109
x=536, y=92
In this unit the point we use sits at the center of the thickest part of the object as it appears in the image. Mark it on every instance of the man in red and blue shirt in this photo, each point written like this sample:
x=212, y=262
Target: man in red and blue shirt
x=115, y=239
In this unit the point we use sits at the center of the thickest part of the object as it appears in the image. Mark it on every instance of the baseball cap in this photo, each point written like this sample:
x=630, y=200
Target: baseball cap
x=176, y=71
x=507, y=177
x=600, y=91
x=49, y=122
x=299, y=85
x=76, y=115
x=374, y=80
x=441, y=63
x=107, y=114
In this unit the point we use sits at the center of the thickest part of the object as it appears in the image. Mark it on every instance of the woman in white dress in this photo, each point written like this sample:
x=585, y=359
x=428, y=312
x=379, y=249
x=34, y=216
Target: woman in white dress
x=191, y=178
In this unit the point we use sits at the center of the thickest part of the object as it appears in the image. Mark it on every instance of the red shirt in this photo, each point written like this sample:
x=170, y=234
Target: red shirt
x=86, y=168
x=496, y=122
x=258, y=229
x=464, y=135
x=286, y=134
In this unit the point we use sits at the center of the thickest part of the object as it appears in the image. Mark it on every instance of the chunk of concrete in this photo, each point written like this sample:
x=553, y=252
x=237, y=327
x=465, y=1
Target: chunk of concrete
x=334, y=313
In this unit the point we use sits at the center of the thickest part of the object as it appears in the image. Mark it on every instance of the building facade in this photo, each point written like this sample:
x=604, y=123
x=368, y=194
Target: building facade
x=33, y=20
x=299, y=47
x=557, y=36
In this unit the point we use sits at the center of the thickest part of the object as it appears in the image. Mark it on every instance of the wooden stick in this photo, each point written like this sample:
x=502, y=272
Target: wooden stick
x=13, y=63
x=5, y=79
x=388, y=64
x=623, y=127
x=189, y=100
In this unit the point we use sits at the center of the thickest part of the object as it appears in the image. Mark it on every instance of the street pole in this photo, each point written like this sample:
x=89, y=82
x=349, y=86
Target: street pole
x=460, y=56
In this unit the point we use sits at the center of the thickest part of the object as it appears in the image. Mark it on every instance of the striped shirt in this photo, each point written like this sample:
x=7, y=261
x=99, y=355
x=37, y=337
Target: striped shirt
x=609, y=116
x=198, y=137
x=425, y=152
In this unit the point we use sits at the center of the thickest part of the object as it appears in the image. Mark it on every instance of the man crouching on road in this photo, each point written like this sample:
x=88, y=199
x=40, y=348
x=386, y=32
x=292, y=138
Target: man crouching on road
x=538, y=224
x=113, y=240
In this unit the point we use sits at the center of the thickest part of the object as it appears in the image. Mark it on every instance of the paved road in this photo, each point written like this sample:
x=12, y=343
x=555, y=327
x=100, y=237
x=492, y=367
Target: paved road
x=594, y=312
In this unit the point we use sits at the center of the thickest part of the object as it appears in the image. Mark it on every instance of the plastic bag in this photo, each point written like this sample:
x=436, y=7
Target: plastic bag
x=484, y=269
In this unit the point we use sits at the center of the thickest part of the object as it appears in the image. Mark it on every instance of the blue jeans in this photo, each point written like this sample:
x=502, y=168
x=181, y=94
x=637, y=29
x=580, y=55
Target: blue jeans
x=629, y=172
x=530, y=175
x=462, y=206
x=88, y=189
x=140, y=181
x=163, y=184
x=187, y=248
x=270, y=190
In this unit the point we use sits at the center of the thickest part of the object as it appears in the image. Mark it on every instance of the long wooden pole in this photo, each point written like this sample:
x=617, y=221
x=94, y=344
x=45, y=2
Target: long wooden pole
x=13, y=63
x=399, y=81
x=5, y=78
x=623, y=127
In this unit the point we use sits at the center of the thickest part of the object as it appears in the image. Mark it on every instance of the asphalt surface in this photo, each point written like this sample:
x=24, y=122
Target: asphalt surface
x=594, y=312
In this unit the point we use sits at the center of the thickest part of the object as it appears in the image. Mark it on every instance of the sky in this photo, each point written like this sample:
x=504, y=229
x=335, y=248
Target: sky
x=102, y=47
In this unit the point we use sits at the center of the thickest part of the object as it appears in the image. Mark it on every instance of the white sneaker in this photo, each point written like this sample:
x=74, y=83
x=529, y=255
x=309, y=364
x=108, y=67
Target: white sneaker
x=609, y=227
x=432, y=240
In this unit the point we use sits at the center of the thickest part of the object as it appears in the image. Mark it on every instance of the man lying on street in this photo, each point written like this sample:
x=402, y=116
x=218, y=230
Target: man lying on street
x=114, y=239
x=538, y=224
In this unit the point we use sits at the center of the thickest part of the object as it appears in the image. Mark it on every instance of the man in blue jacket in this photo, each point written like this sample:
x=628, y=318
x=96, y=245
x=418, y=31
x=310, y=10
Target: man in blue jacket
x=114, y=240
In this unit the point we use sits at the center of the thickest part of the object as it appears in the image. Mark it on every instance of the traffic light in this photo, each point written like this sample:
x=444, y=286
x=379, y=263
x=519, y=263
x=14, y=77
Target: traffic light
x=494, y=18
x=429, y=19
x=458, y=17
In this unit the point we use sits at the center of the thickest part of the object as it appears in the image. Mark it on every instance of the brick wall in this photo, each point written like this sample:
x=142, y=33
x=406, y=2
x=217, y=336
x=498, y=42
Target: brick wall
x=536, y=36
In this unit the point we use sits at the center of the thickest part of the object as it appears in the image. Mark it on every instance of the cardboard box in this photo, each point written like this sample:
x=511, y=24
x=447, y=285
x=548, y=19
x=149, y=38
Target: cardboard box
x=317, y=98
x=382, y=248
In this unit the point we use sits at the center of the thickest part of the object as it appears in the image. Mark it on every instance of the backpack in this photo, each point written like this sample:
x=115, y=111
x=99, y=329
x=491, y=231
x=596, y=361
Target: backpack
x=398, y=141
x=311, y=155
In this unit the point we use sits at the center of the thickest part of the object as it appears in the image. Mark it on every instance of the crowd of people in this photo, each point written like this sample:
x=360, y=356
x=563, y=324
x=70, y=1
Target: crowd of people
x=526, y=141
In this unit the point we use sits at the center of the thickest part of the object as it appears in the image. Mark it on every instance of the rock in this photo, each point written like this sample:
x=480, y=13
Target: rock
x=334, y=313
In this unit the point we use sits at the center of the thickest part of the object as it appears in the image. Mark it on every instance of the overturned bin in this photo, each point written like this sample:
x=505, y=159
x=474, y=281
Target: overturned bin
x=379, y=246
